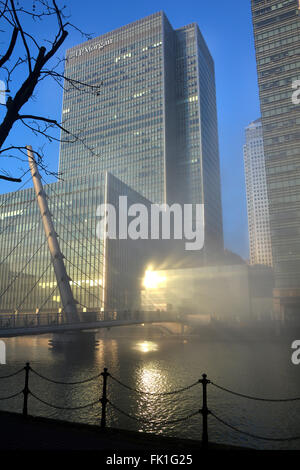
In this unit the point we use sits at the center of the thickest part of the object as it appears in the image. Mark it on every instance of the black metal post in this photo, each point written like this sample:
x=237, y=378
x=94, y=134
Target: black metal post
x=104, y=400
x=26, y=389
x=204, y=411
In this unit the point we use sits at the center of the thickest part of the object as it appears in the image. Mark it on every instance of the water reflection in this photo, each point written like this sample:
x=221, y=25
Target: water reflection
x=159, y=366
x=151, y=380
x=146, y=346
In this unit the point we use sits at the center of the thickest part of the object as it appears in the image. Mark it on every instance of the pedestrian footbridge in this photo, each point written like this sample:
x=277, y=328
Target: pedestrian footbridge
x=37, y=324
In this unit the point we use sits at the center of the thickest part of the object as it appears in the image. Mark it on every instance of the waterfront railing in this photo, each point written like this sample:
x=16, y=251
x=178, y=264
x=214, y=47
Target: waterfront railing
x=104, y=401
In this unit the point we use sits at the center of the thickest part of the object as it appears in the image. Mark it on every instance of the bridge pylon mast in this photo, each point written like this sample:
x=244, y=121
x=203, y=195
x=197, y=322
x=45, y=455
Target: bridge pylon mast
x=66, y=294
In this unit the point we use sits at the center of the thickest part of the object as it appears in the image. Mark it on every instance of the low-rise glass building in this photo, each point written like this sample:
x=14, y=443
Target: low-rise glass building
x=103, y=273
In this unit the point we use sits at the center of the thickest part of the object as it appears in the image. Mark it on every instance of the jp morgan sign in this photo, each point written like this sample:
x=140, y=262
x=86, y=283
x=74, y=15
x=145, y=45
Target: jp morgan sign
x=94, y=47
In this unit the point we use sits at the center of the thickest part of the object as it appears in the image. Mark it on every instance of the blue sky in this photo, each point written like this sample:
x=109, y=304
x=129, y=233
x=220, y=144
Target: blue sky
x=227, y=29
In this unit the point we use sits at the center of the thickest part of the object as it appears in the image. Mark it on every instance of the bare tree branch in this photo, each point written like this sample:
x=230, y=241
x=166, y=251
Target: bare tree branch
x=11, y=46
x=44, y=119
x=10, y=178
x=34, y=65
x=22, y=33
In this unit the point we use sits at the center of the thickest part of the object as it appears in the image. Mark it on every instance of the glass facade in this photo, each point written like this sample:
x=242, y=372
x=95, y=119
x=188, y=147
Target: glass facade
x=277, y=42
x=124, y=125
x=97, y=281
x=257, y=197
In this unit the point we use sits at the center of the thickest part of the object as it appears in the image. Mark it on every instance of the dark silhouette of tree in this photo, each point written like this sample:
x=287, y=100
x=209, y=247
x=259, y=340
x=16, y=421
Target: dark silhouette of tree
x=17, y=21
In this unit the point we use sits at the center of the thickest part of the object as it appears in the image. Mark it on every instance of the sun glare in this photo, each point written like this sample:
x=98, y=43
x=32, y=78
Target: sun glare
x=146, y=346
x=153, y=279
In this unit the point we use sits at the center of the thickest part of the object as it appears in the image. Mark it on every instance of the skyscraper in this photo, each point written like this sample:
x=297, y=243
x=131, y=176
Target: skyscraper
x=277, y=42
x=257, y=197
x=154, y=123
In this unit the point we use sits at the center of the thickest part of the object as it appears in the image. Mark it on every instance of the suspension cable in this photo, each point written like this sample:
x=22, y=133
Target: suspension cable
x=76, y=252
x=44, y=303
x=78, y=240
x=76, y=267
x=19, y=242
x=22, y=270
x=13, y=194
x=75, y=215
x=86, y=290
x=80, y=243
x=34, y=286
x=74, y=224
x=86, y=248
x=12, y=223
x=78, y=285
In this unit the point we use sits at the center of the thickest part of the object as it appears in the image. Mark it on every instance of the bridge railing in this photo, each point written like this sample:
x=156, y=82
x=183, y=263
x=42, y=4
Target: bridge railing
x=30, y=320
x=104, y=401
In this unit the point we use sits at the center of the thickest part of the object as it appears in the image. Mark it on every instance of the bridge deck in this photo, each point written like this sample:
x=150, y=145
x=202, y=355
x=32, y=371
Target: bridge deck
x=69, y=327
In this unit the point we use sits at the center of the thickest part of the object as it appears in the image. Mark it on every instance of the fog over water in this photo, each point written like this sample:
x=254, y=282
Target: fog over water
x=159, y=364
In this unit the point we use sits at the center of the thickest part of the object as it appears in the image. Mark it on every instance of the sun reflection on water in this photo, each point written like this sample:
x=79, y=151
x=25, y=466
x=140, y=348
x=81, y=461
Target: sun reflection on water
x=146, y=346
x=151, y=380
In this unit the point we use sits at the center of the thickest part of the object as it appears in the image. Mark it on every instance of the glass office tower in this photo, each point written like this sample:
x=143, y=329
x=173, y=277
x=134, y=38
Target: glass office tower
x=154, y=122
x=277, y=42
x=257, y=197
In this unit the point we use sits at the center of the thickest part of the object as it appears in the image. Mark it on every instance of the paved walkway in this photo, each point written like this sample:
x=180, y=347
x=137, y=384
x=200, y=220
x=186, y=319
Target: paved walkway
x=35, y=433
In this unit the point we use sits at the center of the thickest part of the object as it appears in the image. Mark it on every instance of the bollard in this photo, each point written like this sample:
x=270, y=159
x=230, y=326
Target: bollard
x=204, y=411
x=26, y=389
x=104, y=400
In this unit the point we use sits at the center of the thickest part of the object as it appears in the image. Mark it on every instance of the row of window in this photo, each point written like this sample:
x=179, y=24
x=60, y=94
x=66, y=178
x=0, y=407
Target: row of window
x=271, y=8
x=277, y=31
x=276, y=19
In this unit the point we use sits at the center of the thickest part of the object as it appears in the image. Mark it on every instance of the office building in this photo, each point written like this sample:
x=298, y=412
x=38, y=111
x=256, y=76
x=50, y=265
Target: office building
x=277, y=43
x=154, y=122
x=257, y=197
x=104, y=274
